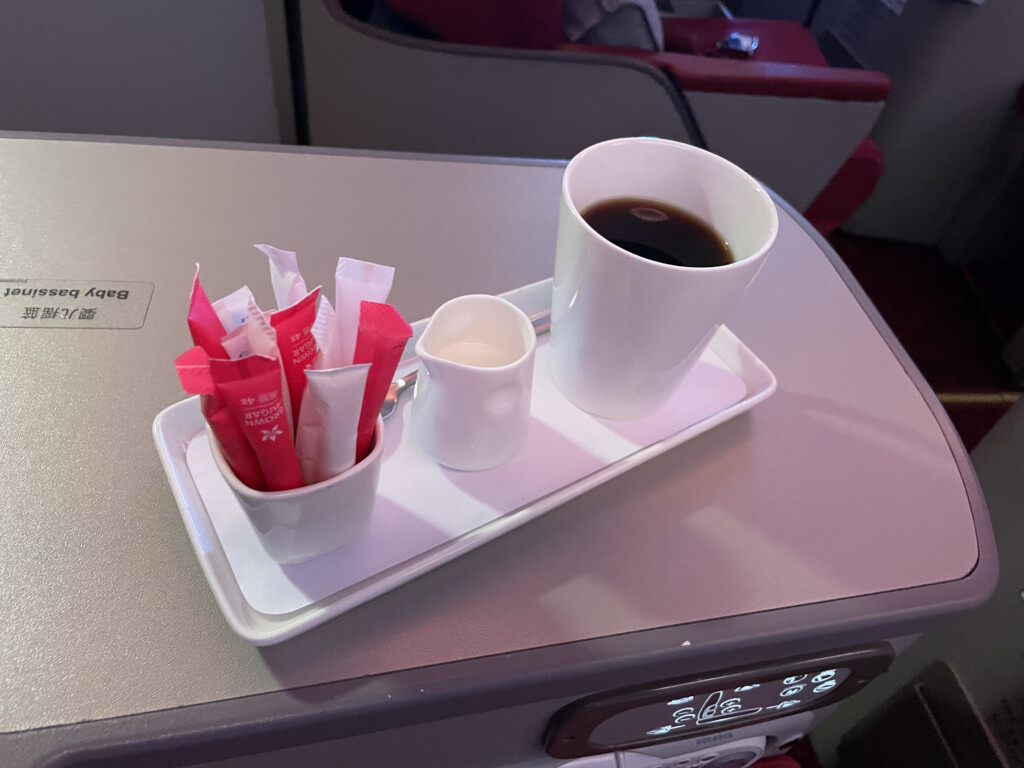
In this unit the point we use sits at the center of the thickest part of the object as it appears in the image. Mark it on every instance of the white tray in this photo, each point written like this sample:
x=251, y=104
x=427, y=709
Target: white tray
x=426, y=515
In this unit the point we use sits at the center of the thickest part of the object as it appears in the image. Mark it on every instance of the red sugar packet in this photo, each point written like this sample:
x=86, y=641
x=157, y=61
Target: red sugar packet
x=203, y=323
x=194, y=373
x=236, y=449
x=294, y=326
x=380, y=342
x=207, y=330
x=251, y=387
x=193, y=369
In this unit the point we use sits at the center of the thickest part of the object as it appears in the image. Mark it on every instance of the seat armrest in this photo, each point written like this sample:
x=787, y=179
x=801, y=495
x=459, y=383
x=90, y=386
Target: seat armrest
x=784, y=42
x=757, y=78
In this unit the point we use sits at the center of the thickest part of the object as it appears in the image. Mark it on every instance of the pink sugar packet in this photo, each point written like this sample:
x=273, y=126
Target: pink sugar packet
x=193, y=369
x=251, y=387
x=294, y=326
x=355, y=282
x=381, y=340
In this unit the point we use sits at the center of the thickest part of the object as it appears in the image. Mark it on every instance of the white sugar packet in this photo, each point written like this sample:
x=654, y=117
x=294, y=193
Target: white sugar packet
x=325, y=439
x=326, y=436
x=289, y=287
x=254, y=337
x=325, y=333
x=355, y=282
x=233, y=309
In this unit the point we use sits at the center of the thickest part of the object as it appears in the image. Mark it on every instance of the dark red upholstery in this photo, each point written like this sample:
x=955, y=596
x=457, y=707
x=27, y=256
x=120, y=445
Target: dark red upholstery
x=848, y=189
x=502, y=23
x=787, y=63
x=764, y=78
x=783, y=42
x=767, y=78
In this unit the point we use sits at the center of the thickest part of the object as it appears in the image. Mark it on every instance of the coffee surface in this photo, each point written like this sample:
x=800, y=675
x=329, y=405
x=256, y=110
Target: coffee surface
x=659, y=232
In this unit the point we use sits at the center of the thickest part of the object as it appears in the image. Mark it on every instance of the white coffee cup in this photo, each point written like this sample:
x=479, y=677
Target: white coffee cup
x=471, y=405
x=303, y=523
x=626, y=330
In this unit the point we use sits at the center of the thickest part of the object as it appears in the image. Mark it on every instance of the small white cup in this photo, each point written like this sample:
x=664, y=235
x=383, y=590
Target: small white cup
x=303, y=523
x=471, y=405
x=625, y=330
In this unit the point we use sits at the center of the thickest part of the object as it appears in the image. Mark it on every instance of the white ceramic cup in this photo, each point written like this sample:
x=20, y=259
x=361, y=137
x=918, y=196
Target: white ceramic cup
x=471, y=405
x=625, y=330
x=303, y=523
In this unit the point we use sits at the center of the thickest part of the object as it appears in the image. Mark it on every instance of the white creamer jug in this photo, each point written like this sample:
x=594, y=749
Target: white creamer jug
x=471, y=405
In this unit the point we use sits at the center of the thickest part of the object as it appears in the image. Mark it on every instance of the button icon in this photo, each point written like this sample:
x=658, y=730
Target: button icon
x=821, y=677
x=684, y=714
x=684, y=700
x=794, y=679
x=826, y=686
x=793, y=690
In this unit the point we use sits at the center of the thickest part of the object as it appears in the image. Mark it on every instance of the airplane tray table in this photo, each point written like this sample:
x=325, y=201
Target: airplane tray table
x=840, y=511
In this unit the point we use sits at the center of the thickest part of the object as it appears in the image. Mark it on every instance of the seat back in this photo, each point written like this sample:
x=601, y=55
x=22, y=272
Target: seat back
x=793, y=123
x=527, y=24
x=369, y=88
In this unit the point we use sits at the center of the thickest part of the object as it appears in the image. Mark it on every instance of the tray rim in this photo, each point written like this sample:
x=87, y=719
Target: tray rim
x=176, y=425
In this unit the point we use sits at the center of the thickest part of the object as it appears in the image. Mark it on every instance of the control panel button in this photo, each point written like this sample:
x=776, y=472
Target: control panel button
x=704, y=760
x=656, y=714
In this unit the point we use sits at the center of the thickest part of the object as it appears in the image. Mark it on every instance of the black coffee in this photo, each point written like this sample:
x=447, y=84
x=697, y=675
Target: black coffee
x=659, y=232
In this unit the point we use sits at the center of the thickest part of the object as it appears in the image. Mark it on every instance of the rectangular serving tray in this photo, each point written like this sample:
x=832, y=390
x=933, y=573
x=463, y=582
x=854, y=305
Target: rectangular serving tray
x=425, y=514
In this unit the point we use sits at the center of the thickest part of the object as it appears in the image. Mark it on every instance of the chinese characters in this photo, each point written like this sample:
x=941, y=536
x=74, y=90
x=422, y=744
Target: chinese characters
x=59, y=313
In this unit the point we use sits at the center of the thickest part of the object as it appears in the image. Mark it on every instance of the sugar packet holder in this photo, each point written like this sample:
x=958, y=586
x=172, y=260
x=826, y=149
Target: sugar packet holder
x=263, y=379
